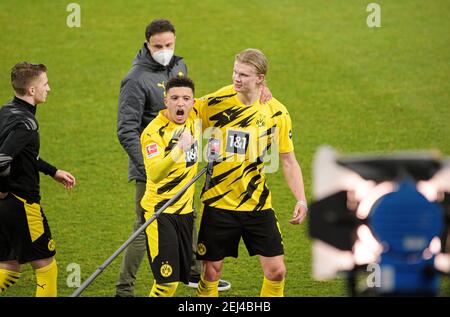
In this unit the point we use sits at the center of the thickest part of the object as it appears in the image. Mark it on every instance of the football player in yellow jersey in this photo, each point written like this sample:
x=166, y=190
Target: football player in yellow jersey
x=170, y=150
x=237, y=202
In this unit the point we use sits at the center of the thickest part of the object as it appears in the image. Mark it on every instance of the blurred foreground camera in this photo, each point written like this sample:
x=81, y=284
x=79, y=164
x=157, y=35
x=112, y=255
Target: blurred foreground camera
x=387, y=215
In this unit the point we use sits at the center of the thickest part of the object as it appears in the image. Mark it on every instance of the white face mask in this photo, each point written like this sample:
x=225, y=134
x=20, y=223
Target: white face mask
x=163, y=57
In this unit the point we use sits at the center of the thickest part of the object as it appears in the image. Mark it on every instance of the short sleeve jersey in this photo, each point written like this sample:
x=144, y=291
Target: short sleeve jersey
x=251, y=139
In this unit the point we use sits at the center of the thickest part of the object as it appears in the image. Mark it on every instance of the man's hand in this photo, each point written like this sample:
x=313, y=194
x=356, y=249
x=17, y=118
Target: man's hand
x=299, y=214
x=266, y=94
x=3, y=195
x=64, y=178
x=186, y=140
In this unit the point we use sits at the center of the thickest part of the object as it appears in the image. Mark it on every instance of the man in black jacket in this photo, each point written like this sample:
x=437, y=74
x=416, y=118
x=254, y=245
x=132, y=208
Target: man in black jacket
x=24, y=232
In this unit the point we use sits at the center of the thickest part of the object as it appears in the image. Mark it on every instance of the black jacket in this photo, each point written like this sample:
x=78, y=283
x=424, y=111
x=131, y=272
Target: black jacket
x=20, y=163
x=141, y=98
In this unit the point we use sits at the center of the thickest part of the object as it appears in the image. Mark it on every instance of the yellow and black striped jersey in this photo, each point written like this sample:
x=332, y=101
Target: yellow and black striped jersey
x=251, y=137
x=166, y=162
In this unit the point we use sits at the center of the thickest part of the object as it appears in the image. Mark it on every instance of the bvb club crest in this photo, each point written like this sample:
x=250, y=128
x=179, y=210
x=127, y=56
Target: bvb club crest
x=166, y=270
x=201, y=249
x=51, y=245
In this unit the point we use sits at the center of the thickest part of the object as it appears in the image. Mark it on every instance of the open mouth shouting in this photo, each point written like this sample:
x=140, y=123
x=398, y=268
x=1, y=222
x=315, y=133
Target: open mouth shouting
x=180, y=115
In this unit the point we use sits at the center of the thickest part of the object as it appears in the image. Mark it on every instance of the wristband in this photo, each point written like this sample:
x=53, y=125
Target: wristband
x=303, y=203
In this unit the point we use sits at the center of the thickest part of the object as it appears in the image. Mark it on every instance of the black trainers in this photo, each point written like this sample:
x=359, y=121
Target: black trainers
x=223, y=285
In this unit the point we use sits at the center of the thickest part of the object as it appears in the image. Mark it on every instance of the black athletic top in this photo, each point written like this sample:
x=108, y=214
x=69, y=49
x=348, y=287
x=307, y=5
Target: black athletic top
x=20, y=163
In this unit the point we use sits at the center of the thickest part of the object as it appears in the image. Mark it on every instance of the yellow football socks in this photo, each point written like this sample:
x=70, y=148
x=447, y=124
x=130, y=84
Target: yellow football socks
x=272, y=288
x=207, y=289
x=46, y=280
x=163, y=290
x=7, y=279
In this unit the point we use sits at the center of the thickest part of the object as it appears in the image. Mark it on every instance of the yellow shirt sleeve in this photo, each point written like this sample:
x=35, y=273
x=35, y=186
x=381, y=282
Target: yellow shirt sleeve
x=157, y=164
x=285, y=139
x=201, y=104
x=200, y=110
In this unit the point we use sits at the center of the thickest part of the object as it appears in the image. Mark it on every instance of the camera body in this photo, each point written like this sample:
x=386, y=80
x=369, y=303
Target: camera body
x=389, y=212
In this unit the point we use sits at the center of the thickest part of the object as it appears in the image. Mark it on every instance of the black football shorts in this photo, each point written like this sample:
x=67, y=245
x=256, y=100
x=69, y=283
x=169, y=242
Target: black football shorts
x=169, y=246
x=24, y=232
x=221, y=231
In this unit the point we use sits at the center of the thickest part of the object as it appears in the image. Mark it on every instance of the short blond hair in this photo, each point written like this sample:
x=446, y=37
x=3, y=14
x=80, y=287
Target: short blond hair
x=255, y=58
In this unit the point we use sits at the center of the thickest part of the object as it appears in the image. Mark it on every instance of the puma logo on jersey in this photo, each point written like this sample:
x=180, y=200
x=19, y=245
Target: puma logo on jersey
x=227, y=115
x=163, y=86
